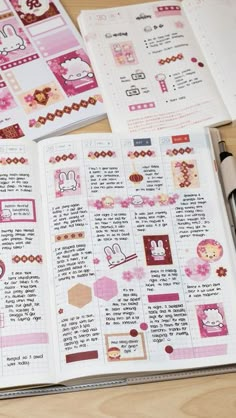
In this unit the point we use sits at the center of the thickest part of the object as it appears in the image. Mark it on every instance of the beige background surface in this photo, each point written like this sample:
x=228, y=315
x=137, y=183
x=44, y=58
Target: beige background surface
x=204, y=397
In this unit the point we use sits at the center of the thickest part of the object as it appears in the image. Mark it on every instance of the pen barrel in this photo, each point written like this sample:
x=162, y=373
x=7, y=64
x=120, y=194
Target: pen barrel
x=232, y=204
x=228, y=173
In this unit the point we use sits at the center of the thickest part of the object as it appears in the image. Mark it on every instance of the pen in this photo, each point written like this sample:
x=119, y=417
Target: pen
x=228, y=170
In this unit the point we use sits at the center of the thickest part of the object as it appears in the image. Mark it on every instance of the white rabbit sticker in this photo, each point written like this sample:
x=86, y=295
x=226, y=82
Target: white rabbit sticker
x=157, y=250
x=76, y=69
x=35, y=7
x=67, y=181
x=114, y=254
x=9, y=40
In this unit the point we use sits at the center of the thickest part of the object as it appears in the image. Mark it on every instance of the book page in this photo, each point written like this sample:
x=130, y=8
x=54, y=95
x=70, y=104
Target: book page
x=47, y=84
x=143, y=261
x=214, y=24
x=25, y=356
x=150, y=68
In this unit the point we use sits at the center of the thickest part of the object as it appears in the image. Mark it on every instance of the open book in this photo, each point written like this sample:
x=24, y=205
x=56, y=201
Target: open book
x=47, y=84
x=165, y=64
x=117, y=261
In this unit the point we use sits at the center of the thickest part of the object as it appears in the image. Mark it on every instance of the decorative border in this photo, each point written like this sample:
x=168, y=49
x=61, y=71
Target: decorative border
x=42, y=120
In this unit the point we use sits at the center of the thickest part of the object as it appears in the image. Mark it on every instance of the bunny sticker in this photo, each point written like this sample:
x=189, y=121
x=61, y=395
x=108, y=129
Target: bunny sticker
x=157, y=250
x=9, y=40
x=114, y=255
x=67, y=182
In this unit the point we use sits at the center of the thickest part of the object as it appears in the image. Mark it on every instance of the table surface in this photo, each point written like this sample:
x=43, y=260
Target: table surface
x=199, y=397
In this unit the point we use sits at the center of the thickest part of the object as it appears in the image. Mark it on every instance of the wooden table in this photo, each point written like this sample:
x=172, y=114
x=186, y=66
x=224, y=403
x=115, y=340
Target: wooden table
x=204, y=397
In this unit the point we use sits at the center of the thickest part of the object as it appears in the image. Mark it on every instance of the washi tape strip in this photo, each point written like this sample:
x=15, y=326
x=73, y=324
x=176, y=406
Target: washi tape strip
x=14, y=160
x=142, y=106
x=171, y=59
x=24, y=258
x=69, y=236
x=42, y=120
x=63, y=157
x=102, y=154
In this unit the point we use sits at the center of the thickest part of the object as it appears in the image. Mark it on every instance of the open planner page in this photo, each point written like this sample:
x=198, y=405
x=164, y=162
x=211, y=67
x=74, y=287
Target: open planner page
x=214, y=23
x=150, y=68
x=142, y=256
x=24, y=302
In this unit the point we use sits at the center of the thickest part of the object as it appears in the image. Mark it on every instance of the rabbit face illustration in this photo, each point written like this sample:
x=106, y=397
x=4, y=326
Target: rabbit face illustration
x=35, y=7
x=9, y=40
x=157, y=250
x=76, y=69
x=67, y=181
x=114, y=254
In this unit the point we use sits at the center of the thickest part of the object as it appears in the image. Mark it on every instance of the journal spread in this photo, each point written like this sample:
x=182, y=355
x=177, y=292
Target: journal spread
x=117, y=260
x=164, y=64
x=47, y=84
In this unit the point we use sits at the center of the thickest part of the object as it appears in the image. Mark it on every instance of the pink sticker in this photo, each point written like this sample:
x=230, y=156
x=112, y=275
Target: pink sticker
x=197, y=269
x=7, y=101
x=209, y=250
x=123, y=53
x=17, y=210
x=211, y=320
x=32, y=11
x=14, y=44
x=67, y=182
x=74, y=72
x=49, y=45
x=157, y=250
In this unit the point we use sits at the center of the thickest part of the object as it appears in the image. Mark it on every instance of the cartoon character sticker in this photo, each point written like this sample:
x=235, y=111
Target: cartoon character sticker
x=114, y=254
x=14, y=45
x=67, y=182
x=157, y=250
x=10, y=40
x=74, y=72
x=209, y=250
x=211, y=320
x=137, y=201
x=113, y=353
x=76, y=69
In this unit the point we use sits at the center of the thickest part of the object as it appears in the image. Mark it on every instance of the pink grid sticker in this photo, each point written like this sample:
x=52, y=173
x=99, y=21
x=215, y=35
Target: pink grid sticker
x=24, y=339
x=49, y=45
x=124, y=53
x=142, y=106
x=197, y=352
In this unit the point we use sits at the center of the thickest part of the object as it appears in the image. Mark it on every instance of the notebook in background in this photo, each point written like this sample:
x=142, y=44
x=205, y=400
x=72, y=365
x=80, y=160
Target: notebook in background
x=216, y=38
x=156, y=63
x=47, y=84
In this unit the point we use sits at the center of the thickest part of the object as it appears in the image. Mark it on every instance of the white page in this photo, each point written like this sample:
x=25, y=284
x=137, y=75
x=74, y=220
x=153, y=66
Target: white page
x=136, y=287
x=25, y=320
x=214, y=24
x=150, y=68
